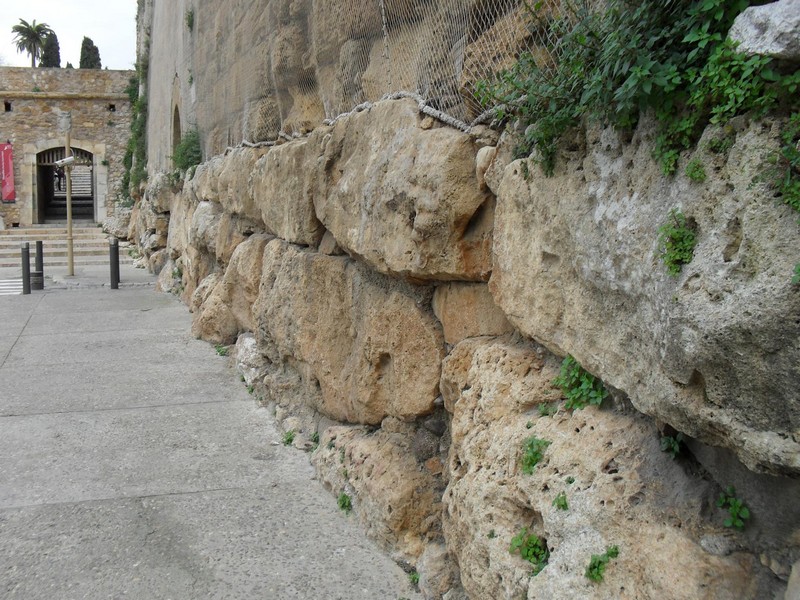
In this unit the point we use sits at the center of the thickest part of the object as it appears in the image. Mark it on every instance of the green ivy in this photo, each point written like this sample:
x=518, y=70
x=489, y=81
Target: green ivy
x=580, y=387
x=676, y=242
x=597, y=565
x=665, y=56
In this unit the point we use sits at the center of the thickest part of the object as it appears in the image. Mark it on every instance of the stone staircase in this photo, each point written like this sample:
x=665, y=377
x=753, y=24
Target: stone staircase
x=89, y=244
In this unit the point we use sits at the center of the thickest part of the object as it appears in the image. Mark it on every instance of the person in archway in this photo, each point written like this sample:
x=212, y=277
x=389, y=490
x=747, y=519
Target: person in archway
x=59, y=177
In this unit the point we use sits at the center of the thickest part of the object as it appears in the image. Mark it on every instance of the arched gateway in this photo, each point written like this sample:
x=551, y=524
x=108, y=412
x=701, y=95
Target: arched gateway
x=51, y=186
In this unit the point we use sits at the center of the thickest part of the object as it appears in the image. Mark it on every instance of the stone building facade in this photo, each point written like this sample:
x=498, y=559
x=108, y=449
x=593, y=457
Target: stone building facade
x=33, y=100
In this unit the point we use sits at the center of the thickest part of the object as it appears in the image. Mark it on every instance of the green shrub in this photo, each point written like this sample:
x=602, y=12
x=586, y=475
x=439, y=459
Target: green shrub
x=580, y=387
x=531, y=548
x=597, y=565
x=532, y=452
x=676, y=242
x=221, y=349
x=288, y=437
x=188, y=153
x=560, y=501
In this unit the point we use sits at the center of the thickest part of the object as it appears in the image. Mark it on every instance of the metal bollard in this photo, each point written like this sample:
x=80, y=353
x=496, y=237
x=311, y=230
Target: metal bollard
x=26, y=268
x=113, y=255
x=40, y=256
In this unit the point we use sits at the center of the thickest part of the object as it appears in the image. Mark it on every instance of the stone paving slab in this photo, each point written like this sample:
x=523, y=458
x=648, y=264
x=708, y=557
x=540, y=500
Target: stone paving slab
x=134, y=464
x=56, y=389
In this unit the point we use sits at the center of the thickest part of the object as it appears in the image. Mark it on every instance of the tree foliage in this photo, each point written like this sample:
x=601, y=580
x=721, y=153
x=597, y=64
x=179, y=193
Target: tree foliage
x=51, y=52
x=90, y=55
x=30, y=38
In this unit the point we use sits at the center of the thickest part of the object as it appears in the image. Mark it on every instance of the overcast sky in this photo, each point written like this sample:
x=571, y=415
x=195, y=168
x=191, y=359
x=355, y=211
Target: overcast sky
x=110, y=24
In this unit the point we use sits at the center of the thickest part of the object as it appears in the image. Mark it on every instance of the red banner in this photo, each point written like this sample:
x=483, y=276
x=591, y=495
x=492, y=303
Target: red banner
x=7, y=173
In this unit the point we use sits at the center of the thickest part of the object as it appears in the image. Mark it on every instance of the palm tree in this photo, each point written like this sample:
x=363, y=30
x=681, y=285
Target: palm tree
x=30, y=38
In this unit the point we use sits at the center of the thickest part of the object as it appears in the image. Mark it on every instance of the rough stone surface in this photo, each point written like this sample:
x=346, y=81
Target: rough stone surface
x=405, y=200
x=624, y=491
x=713, y=352
x=396, y=499
x=366, y=346
x=233, y=183
x=771, y=30
x=228, y=310
x=468, y=310
x=282, y=185
x=250, y=362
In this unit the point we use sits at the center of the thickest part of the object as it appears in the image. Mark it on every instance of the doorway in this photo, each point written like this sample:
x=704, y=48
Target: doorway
x=52, y=186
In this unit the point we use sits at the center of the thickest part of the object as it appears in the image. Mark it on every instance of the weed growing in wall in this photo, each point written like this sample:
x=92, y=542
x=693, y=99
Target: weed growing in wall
x=560, y=501
x=345, y=502
x=531, y=548
x=532, y=453
x=135, y=159
x=695, y=171
x=738, y=513
x=672, y=444
x=676, y=242
x=580, y=387
x=597, y=565
x=190, y=19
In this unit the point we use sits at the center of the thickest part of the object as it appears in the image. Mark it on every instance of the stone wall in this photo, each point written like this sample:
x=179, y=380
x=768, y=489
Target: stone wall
x=101, y=117
x=402, y=295
x=354, y=286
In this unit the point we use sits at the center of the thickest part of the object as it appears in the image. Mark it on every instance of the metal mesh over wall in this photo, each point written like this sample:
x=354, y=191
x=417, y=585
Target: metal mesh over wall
x=327, y=58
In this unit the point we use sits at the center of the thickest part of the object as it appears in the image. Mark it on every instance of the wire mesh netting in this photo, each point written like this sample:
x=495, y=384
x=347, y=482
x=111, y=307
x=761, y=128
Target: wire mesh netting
x=332, y=57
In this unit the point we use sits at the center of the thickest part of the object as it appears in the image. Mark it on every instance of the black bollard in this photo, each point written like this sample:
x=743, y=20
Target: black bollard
x=113, y=255
x=37, y=275
x=40, y=256
x=26, y=268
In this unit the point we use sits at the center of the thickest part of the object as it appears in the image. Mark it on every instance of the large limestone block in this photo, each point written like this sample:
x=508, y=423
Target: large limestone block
x=233, y=183
x=620, y=490
x=713, y=352
x=404, y=199
x=396, y=500
x=181, y=212
x=159, y=192
x=369, y=344
x=282, y=186
x=204, y=229
x=205, y=183
x=228, y=310
x=772, y=30
x=468, y=310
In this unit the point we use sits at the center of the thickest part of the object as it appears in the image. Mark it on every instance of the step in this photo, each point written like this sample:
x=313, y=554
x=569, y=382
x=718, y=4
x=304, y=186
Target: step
x=62, y=262
x=10, y=287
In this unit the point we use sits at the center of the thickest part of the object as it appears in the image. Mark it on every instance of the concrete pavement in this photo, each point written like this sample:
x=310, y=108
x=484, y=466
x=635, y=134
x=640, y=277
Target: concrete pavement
x=133, y=464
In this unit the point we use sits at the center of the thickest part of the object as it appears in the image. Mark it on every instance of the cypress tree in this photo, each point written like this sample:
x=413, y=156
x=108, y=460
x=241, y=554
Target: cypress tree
x=51, y=52
x=90, y=55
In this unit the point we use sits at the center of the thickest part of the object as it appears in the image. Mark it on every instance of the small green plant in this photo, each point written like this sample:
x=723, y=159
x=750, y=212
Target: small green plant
x=315, y=437
x=341, y=455
x=579, y=386
x=288, y=437
x=546, y=409
x=36, y=89
x=105, y=162
x=331, y=445
x=560, y=501
x=786, y=174
x=796, y=278
x=241, y=378
x=570, y=480
x=190, y=19
x=676, y=242
x=491, y=535
x=413, y=577
x=529, y=425
x=672, y=444
x=250, y=389
x=532, y=452
x=738, y=513
x=221, y=350
x=722, y=145
x=531, y=548
x=597, y=565
x=188, y=152
x=345, y=502
x=695, y=171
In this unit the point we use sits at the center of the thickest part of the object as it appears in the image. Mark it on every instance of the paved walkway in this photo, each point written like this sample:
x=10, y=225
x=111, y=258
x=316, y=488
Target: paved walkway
x=133, y=464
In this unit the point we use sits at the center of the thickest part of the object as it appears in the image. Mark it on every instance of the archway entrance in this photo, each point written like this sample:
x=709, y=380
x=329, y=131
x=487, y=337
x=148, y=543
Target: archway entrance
x=52, y=186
